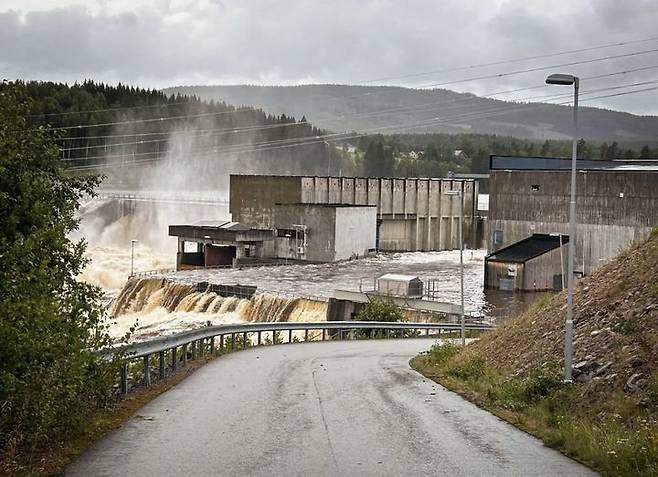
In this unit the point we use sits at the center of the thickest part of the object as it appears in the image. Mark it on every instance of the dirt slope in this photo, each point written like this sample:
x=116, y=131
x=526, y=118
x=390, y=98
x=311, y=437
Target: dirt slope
x=615, y=335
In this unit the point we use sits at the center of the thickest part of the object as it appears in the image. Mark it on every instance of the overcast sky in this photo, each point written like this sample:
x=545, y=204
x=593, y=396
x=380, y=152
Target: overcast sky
x=159, y=43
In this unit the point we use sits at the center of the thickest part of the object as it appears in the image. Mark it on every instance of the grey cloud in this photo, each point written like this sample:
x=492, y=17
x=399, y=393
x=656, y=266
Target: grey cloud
x=266, y=41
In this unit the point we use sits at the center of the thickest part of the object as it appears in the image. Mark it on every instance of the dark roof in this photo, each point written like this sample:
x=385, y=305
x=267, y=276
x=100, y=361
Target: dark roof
x=528, y=248
x=530, y=163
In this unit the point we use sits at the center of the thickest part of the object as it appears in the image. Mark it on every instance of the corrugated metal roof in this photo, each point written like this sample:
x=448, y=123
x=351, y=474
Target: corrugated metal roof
x=528, y=248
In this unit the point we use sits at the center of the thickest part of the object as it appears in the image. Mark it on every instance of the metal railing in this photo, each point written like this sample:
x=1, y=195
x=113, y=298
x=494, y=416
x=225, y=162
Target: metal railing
x=203, y=340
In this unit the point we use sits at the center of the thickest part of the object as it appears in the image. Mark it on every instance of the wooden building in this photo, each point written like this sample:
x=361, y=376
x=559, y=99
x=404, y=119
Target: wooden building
x=536, y=263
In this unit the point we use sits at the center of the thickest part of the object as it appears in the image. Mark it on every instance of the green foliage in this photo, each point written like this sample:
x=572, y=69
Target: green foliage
x=50, y=324
x=380, y=310
x=441, y=353
x=472, y=369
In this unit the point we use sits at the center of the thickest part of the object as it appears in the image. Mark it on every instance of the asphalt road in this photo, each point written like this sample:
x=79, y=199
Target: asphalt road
x=331, y=408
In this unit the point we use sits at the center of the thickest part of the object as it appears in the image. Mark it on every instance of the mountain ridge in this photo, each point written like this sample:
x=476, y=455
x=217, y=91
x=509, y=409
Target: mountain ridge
x=391, y=109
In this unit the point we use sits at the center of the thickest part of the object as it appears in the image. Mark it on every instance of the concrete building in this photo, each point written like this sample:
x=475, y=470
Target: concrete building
x=616, y=204
x=218, y=244
x=324, y=232
x=413, y=214
x=536, y=263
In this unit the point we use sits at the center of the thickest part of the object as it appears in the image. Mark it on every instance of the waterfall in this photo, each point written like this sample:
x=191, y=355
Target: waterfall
x=155, y=306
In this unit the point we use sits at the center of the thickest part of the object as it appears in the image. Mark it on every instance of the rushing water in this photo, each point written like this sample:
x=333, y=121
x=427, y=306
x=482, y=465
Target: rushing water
x=296, y=292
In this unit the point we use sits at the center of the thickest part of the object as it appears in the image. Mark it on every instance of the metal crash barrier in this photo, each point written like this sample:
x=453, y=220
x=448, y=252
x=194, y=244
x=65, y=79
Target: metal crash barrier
x=222, y=338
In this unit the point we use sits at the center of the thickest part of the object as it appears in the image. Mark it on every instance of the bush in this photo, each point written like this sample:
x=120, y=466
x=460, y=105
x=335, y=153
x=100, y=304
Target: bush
x=440, y=354
x=50, y=324
x=540, y=384
x=472, y=369
x=380, y=310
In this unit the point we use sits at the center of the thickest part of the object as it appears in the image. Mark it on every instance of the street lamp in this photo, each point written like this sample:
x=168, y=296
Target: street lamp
x=461, y=257
x=132, y=257
x=568, y=80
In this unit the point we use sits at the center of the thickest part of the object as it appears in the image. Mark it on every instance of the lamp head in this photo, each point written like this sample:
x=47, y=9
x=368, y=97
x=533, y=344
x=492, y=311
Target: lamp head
x=561, y=79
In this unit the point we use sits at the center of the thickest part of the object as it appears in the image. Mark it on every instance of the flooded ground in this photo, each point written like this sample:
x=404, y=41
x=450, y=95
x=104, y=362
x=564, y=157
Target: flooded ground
x=319, y=281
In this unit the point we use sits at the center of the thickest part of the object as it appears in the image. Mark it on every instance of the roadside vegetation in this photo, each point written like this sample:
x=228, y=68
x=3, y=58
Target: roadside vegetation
x=608, y=418
x=51, y=380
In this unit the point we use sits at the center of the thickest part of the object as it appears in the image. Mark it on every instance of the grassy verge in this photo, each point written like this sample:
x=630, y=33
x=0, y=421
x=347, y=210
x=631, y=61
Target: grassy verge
x=612, y=435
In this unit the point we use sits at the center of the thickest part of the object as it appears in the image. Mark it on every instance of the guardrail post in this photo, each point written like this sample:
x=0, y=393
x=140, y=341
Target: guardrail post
x=212, y=345
x=193, y=349
x=427, y=332
x=289, y=336
x=388, y=333
x=184, y=354
x=162, y=364
x=273, y=336
x=324, y=334
x=372, y=333
x=123, y=383
x=306, y=334
x=174, y=363
x=259, y=338
x=202, y=343
x=232, y=341
x=340, y=334
x=221, y=342
x=147, y=371
x=244, y=340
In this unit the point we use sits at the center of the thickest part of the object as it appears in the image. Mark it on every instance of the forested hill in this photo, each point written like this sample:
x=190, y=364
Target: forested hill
x=344, y=107
x=126, y=132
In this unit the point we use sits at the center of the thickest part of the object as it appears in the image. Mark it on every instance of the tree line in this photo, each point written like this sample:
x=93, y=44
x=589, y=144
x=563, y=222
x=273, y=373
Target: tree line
x=96, y=124
x=422, y=155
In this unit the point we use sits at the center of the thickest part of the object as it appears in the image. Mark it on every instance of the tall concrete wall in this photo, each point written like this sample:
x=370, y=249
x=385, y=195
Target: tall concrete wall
x=320, y=225
x=355, y=231
x=613, y=209
x=430, y=216
x=252, y=198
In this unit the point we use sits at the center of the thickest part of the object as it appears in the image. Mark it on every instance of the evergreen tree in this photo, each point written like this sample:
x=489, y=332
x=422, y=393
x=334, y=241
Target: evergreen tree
x=50, y=323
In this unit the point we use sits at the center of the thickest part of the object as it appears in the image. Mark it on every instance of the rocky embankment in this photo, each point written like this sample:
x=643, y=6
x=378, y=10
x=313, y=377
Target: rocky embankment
x=615, y=330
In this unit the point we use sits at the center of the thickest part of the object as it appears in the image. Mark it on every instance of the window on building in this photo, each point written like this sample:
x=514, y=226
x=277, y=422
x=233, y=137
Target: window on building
x=498, y=237
x=534, y=187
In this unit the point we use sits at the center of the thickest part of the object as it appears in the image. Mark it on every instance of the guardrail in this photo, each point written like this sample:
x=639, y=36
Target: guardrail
x=202, y=341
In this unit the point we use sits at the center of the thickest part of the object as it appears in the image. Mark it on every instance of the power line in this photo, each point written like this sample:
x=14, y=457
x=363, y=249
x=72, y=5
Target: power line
x=447, y=70
x=514, y=60
x=541, y=68
x=498, y=75
x=344, y=136
x=408, y=108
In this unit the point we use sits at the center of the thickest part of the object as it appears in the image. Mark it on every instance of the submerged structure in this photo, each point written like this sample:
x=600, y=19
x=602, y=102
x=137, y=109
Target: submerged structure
x=616, y=204
x=536, y=263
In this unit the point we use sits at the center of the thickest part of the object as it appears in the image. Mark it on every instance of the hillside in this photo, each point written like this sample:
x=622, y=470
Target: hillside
x=347, y=108
x=615, y=329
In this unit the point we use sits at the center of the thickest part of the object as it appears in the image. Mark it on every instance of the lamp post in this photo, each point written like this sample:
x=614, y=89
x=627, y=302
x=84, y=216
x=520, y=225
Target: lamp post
x=132, y=257
x=568, y=80
x=461, y=257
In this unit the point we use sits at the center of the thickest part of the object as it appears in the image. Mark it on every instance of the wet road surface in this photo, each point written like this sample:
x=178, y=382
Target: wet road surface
x=330, y=408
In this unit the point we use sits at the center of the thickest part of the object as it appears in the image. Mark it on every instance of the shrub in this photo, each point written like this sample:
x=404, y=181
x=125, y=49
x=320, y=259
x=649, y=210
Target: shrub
x=50, y=324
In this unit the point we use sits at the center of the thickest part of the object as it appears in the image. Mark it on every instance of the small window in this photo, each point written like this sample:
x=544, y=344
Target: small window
x=498, y=237
x=534, y=187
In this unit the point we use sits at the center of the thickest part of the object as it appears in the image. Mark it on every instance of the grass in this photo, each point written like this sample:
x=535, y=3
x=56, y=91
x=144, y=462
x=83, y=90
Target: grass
x=613, y=436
